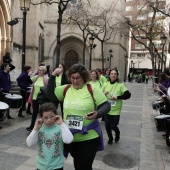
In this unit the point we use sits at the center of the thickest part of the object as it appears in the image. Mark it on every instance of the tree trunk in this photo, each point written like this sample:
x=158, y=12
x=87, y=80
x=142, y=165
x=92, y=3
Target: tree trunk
x=102, y=54
x=58, y=37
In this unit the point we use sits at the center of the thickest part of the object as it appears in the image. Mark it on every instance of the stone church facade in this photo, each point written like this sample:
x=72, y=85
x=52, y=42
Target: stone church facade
x=41, y=31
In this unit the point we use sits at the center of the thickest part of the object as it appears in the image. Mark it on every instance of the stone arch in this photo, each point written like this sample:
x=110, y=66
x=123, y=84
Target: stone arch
x=67, y=47
x=5, y=30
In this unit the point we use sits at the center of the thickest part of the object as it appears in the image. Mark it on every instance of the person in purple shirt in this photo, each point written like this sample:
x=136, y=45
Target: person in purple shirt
x=5, y=79
x=5, y=84
x=24, y=83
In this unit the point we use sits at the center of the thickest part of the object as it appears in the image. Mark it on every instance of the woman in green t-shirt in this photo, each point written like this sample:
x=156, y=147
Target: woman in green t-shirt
x=95, y=79
x=115, y=92
x=39, y=80
x=81, y=107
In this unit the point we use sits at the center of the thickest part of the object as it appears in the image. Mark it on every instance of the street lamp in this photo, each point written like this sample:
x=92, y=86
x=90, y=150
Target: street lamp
x=110, y=53
x=91, y=40
x=24, y=6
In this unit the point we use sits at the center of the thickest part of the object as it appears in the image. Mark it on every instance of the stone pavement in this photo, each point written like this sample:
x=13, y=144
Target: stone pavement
x=140, y=147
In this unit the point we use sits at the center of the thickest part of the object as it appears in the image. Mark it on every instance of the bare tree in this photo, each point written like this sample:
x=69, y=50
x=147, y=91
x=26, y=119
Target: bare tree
x=100, y=23
x=145, y=32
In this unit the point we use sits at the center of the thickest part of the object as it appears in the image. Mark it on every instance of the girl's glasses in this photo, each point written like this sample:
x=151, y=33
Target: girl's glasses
x=49, y=117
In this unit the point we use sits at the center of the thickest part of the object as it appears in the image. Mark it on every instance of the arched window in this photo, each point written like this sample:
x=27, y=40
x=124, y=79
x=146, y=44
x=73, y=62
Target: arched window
x=71, y=58
x=41, y=48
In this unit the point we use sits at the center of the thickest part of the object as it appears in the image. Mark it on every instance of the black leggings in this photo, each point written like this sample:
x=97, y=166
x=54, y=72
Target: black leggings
x=111, y=122
x=83, y=153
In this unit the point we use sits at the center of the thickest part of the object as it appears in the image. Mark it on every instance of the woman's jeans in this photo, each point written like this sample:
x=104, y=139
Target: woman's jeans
x=111, y=122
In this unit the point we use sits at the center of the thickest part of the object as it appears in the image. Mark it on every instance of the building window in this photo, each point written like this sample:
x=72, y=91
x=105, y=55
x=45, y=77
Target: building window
x=140, y=55
x=41, y=48
x=139, y=46
x=141, y=36
x=141, y=7
x=141, y=17
x=129, y=8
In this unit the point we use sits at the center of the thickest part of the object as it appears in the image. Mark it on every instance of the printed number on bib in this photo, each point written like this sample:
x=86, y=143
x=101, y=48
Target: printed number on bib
x=74, y=122
x=112, y=102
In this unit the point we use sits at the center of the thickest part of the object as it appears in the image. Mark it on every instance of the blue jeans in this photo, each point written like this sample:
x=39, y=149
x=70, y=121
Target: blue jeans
x=111, y=122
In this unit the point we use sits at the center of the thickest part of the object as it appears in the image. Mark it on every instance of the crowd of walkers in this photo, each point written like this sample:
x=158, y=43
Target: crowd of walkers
x=84, y=97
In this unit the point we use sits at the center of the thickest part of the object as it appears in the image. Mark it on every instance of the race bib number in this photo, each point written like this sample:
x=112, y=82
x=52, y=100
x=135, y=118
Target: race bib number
x=74, y=122
x=112, y=102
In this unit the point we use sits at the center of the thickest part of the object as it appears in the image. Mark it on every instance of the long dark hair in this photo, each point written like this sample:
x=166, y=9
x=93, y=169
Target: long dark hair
x=64, y=79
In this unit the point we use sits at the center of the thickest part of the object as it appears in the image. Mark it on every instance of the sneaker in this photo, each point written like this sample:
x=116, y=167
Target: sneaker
x=9, y=117
x=110, y=142
x=117, y=138
x=29, y=129
x=22, y=116
x=29, y=112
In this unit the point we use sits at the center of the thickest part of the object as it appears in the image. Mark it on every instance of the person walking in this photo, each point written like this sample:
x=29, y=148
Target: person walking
x=101, y=77
x=61, y=79
x=49, y=133
x=5, y=84
x=83, y=105
x=24, y=83
x=146, y=77
x=39, y=80
x=115, y=92
x=95, y=79
x=106, y=74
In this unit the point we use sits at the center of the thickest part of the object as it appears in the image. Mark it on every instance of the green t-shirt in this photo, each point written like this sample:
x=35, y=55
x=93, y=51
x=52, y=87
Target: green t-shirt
x=102, y=79
x=116, y=89
x=49, y=148
x=96, y=83
x=58, y=81
x=80, y=102
x=39, y=83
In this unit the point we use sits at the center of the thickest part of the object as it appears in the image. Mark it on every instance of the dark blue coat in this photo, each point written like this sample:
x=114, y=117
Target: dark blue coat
x=5, y=81
x=24, y=80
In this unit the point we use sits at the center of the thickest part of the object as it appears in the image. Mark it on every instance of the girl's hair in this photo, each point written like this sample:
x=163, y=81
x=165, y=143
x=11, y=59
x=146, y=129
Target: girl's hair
x=117, y=74
x=43, y=68
x=26, y=68
x=46, y=107
x=79, y=68
x=64, y=68
x=97, y=74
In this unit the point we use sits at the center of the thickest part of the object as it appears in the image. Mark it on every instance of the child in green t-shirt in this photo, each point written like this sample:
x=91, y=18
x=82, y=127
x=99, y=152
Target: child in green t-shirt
x=49, y=133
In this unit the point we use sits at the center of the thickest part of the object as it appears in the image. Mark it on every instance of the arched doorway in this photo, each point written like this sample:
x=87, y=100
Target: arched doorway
x=71, y=58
